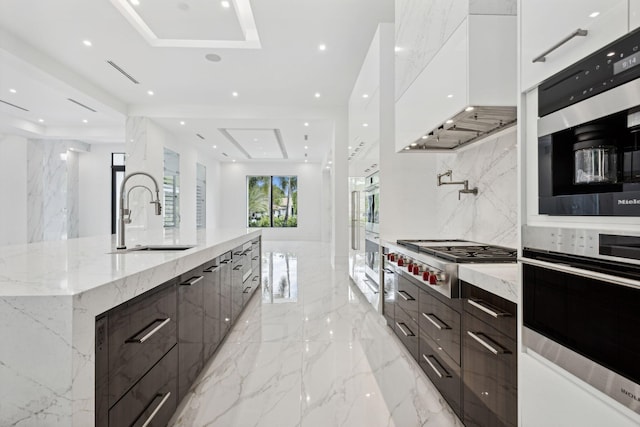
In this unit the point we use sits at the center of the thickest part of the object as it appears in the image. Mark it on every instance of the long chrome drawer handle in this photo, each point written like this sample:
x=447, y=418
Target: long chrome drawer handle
x=406, y=298
x=237, y=267
x=246, y=290
x=406, y=334
x=436, y=322
x=254, y=279
x=543, y=56
x=156, y=410
x=486, y=345
x=192, y=281
x=488, y=308
x=151, y=332
x=435, y=369
x=212, y=269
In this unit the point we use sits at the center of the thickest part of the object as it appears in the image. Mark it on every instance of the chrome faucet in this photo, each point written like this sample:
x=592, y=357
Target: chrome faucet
x=465, y=190
x=125, y=212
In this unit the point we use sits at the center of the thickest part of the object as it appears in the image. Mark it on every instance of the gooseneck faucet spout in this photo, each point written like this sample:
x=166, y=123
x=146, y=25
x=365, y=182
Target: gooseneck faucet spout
x=125, y=212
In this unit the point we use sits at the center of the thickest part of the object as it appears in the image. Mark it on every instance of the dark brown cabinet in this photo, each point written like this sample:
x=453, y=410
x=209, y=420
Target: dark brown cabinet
x=489, y=359
x=151, y=349
x=190, y=328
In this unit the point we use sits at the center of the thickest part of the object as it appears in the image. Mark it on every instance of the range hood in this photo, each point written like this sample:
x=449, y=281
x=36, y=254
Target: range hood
x=471, y=124
x=467, y=92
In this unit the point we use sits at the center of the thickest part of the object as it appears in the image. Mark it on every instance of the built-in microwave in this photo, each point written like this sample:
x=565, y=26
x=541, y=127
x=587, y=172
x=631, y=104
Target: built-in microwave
x=589, y=134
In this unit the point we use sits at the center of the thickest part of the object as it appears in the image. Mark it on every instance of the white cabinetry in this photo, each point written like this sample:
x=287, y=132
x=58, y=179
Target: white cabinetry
x=545, y=23
x=476, y=66
x=634, y=14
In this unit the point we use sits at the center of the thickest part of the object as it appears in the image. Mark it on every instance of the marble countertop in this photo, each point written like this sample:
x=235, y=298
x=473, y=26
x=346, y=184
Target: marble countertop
x=500, y=279
x=74, y=266
x=50, y=295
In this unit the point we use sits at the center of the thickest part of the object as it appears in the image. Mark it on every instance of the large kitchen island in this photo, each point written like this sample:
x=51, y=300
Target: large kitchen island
x=50, y=295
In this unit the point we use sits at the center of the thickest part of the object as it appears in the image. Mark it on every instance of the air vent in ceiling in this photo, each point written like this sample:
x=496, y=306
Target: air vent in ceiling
x=123, y=72
x=199, y=136
x=81, y=105
x=13, y=105
x=225, y=154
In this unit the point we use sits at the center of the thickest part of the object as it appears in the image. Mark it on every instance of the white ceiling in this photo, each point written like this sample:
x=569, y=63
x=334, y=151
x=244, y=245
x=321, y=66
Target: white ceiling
x=42, y=57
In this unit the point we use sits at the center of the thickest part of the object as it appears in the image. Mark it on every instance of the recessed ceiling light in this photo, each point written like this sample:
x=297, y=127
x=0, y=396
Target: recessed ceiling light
x=349, y=148
x=406, y=148
x=594, y=14
x=306, y=147
x=317, y=95
x=449, y=121
x=182, y=123
x=365, y=95
x=364, y=125
x=215, y=146
x=425, y=136
x=328, y=167
x=330, y=162
x=234, y=94
x=85, y=121
x=611, y=53
x=13, y=91
x=225, y=4
x=135, y=2
x=305, y=160
x=255, y=139
x=234, y=160
x=398, y=49
x=413, y=144
x=306, y=124
x=322, y=47
x=468, y=109
x=87, y=43
x=150, y=92
x=450, y=96
x=213, y=57
x=41, y=120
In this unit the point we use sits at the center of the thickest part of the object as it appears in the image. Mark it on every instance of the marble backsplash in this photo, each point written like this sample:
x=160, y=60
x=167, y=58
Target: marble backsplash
x=491, y=216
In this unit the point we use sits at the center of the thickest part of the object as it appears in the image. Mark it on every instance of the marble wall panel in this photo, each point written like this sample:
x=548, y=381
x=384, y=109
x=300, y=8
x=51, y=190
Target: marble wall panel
x=73, y=194
x=493, y=7
x=491, y=216
x=35, y=190
x=422, y=27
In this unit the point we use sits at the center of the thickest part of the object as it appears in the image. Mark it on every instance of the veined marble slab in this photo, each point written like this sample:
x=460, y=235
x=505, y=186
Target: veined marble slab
x=50, y=294
x=499, y=279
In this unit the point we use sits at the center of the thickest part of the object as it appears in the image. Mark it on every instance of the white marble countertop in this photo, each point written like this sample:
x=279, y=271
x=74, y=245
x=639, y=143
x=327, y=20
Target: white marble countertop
x=50, y=295
x=500, y=279
x=74, y=266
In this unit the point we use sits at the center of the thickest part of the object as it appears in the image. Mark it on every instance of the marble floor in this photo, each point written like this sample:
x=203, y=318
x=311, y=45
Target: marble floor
x=309, y=350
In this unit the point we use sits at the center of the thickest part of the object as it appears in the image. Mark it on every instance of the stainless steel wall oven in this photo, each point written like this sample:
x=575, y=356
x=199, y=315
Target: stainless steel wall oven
x=581, y=306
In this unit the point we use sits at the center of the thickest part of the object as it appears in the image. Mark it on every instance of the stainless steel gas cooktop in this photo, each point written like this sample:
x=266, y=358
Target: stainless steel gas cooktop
x=461, y=251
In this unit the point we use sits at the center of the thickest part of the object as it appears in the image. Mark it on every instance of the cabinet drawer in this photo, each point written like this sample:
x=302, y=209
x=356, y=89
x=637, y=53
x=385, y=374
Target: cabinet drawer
x=141, y=331
x=407, y=330
x=489, y=375
x=153, y=400
x=190, y=328
x=442, y=372
x=497, y=311
x=441, y=323
x=407, y=297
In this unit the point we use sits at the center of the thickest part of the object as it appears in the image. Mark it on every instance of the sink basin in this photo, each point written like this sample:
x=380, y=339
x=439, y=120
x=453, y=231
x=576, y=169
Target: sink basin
x=154, y=248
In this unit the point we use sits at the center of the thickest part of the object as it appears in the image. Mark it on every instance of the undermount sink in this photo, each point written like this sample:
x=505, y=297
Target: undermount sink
x=153, y=248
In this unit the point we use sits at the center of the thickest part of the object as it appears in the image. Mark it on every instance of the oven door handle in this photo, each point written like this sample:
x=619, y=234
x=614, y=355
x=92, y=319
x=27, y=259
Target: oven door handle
x=564, y=268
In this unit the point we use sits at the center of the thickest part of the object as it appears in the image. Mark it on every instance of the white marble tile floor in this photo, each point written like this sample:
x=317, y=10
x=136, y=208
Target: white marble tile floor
x=311, y=351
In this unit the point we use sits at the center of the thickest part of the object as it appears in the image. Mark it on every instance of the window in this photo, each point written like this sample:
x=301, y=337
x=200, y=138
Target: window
x=117, y=175
x=171, y=187
x=201, y=196
x=272, y=201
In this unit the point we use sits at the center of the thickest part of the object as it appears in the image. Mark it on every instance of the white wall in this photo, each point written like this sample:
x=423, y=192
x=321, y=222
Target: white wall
x=95, y=189
x=13, y=189
x=310, y=195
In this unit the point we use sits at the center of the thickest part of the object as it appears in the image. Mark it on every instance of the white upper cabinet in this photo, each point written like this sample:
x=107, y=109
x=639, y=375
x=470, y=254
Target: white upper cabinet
x=634, y=14
x=476, y=66
x=545, y=24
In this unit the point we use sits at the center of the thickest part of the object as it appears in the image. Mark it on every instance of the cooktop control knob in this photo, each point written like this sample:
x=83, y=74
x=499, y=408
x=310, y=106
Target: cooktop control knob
x=433, y=279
